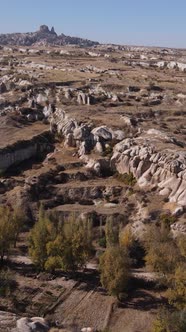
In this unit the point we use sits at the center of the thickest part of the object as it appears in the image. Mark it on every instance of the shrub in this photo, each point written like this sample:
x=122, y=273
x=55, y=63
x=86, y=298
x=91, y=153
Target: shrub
x=108, y=151
x=177, y=288
x=7, y=283
x=167, y=220
x=102, y=242
x=126, y=178
x=170, y=321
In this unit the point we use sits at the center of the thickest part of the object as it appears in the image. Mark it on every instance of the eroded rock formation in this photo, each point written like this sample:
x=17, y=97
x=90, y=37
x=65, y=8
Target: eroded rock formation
x=154, y=165
x=155, y=159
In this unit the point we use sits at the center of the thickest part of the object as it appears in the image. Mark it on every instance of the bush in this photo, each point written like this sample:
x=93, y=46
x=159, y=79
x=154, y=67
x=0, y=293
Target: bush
x=126, y=178
x=167, y=220
x=108, y=151
x=181, y=242
x=170, y=321
x=102, y=242
x=7, y=283
x=177, y=288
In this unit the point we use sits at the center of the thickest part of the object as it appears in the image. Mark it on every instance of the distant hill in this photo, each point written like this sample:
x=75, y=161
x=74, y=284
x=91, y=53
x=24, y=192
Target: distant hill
x=44, y=36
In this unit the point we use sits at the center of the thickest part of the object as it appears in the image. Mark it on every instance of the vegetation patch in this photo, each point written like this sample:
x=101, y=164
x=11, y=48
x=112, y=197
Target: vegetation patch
x=126, y=178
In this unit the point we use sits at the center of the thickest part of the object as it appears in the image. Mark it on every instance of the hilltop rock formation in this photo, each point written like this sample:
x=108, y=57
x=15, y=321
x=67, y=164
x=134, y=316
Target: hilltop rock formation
x=43, y=36
x=45, y=29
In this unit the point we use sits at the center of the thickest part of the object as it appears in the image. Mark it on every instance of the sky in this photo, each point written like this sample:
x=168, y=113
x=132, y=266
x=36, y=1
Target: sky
x=128, y=22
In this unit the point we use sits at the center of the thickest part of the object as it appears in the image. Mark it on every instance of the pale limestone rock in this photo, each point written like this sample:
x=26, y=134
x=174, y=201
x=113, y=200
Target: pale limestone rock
x=24, y=83
x=26, y=324
x=82, y=149
x=83, y=99
x=87, y=329
x=114, y=98
x=69, y=141
x=102, y=132
x=99, y=147
x=165, y=169
x=67, y=94
x=119, y=135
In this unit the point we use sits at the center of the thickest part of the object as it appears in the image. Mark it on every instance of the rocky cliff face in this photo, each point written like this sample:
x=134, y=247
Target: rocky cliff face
x=23, y=150
x=43, y=36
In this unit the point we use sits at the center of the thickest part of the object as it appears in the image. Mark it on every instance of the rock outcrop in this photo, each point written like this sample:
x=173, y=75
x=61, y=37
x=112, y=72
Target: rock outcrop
x=45, y=29
x=153, y=164
x=82, y=135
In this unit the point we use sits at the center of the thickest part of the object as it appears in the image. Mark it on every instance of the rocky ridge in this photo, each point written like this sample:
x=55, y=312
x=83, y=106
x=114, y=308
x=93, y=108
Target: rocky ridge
x=43, y=36
x=146, y=156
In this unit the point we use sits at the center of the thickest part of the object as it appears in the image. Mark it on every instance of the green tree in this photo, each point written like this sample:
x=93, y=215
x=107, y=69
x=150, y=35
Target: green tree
x=114, y=270
x=6, y=231
x=133, y=245
x=18, y=222
x=111, y=233
x=162, y=254
x=166, y=256
x=72, y=246
x=66, y=245
x=163, y=258
x=126, y=238
x=177, y=288
x=81, y=242
x=56, y=249
x=40, y=235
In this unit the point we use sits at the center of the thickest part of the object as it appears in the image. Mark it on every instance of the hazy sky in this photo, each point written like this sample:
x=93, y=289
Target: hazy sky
x=139, y=22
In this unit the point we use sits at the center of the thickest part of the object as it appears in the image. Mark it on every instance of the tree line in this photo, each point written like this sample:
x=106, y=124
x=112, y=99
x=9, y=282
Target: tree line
x=69, y=244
